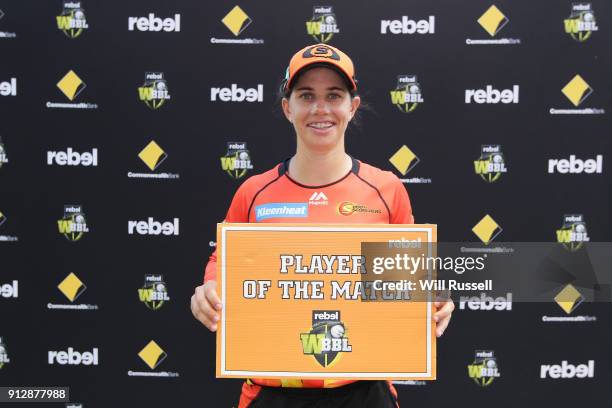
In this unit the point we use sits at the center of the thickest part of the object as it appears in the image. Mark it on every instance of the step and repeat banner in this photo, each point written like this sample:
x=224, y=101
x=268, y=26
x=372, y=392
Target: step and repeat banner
x=126, y=127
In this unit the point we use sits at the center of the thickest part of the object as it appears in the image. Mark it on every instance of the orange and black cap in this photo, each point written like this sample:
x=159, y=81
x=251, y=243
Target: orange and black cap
x=320, y=54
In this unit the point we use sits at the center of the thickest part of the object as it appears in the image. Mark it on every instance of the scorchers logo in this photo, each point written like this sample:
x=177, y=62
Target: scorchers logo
x=348, y=208
x=326, y=339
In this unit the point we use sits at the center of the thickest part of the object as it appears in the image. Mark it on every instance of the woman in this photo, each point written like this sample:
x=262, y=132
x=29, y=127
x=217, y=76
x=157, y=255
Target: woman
x=320, y=99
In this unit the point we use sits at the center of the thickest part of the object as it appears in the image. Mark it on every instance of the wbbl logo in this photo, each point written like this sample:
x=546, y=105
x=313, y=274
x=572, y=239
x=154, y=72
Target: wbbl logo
x=72, y=20
x=326, y=339
x=237, y=160
x=573, y=233
x=407, y=94
x=484, y=369
x=73, y=225
x=581, y=22
x=491, y=163
x=154, y=292
x=154, y=91
x=4, y=359
x=323, y=24
x=3, y=156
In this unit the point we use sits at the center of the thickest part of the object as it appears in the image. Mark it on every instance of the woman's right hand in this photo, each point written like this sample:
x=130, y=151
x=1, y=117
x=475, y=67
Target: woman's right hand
x=205, y=304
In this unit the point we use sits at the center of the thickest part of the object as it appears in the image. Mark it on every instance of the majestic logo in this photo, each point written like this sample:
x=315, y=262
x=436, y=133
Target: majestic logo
x=323, y=24
x=72, y=287
x=485, y=302
x=491, y=95
x=565, y=370
x=404, y=160
x=10, y=290
x=73, y=226
x=236, y=94
x=318, y=198
x=152, y=355
x=281, y=210
x=569, y=298
x=8, y=88
x=237, y=160
x=154, y=292
x=72, y=19
x=152, y=227
x=484, y=369
x=349, y=208
x=326, y=338
x=581, y=22
x=153, y=23
x=154, y=91
x=407, y=93
x=573, y=233
x=72, y=357
x=4, y=358
x=577, y=90
x=487, y=229
x=72, y=158
x=3, y=155
x=491, y=163
x=576, y=166
x=408, y=26
x=236, y=21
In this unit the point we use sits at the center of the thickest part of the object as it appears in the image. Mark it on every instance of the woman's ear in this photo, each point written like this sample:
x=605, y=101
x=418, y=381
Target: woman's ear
x=355, y=102
x=286, y=110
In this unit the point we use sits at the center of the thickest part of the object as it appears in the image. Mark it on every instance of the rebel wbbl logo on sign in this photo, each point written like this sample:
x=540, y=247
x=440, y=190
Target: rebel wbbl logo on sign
x=326, y=339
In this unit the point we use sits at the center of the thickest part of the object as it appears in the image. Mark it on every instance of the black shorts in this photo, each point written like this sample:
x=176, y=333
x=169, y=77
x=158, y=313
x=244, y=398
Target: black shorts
x=360, y=394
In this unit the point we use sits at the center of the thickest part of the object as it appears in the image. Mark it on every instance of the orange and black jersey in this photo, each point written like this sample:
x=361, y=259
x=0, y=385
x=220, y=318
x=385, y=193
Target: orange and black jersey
x=365, y=195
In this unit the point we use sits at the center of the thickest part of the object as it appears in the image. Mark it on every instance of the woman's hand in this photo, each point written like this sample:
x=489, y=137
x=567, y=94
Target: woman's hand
x=444, y=310
x=205, y=304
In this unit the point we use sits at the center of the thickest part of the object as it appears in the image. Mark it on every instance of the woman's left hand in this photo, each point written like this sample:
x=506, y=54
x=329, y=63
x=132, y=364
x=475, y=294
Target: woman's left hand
x=442, y=316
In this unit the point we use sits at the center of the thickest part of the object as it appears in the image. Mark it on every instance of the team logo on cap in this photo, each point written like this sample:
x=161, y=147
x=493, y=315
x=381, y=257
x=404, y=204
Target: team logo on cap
x=491, y=164
x=237, y=160
x=323, y=24
x=321, y=51
x=581, y=22
x=73, y=225
x=326, y=338
x=407, y=94
x=573, y=233
x=72, y=19
x=154, y=91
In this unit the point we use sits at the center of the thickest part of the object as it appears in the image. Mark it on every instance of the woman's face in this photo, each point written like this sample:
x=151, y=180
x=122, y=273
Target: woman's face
x=320, y=108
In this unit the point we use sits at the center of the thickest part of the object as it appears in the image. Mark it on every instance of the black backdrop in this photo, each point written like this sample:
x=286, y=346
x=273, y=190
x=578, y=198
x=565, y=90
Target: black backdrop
x=443, y=131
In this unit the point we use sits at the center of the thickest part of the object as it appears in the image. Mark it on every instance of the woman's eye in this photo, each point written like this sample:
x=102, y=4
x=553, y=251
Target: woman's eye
x=306, y=96
x=334, y=96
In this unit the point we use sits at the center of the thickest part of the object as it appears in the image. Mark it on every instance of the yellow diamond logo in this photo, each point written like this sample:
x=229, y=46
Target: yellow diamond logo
x=2, y=218
x=236, y=20
x=577, y=90
x=404, y=160
x=493, y=20
x=487, y=229
x=71, y=85
x=569, y=298
x=152, y=355
x=152, y=155
x=71, y=287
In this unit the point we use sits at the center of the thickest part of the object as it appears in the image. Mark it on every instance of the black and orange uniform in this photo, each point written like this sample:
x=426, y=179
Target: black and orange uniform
x=364, y=195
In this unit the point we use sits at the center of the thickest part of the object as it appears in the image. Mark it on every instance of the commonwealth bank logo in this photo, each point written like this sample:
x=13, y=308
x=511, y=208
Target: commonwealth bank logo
x=484, y=369
x=152, y=155
x=72, y=20
x=491, y=163
x=577, y=90
x=152, y=355
x=493, y=20
x=573, y=233
x=71, y=85
x=236, y=21
x=323, y=24
x=569, y=298
x=326, y=338
x=73, y=225
x=581, y=22
x=72, y=287
x=407, y=93
x=154, y=292
x=404, y=160
x=154, y=92
x=487, y=229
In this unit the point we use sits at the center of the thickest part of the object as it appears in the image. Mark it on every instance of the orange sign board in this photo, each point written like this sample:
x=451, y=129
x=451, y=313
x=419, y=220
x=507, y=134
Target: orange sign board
x=295, y=306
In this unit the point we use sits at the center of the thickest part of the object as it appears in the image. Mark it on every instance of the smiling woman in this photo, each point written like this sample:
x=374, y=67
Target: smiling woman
x=320, y=183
